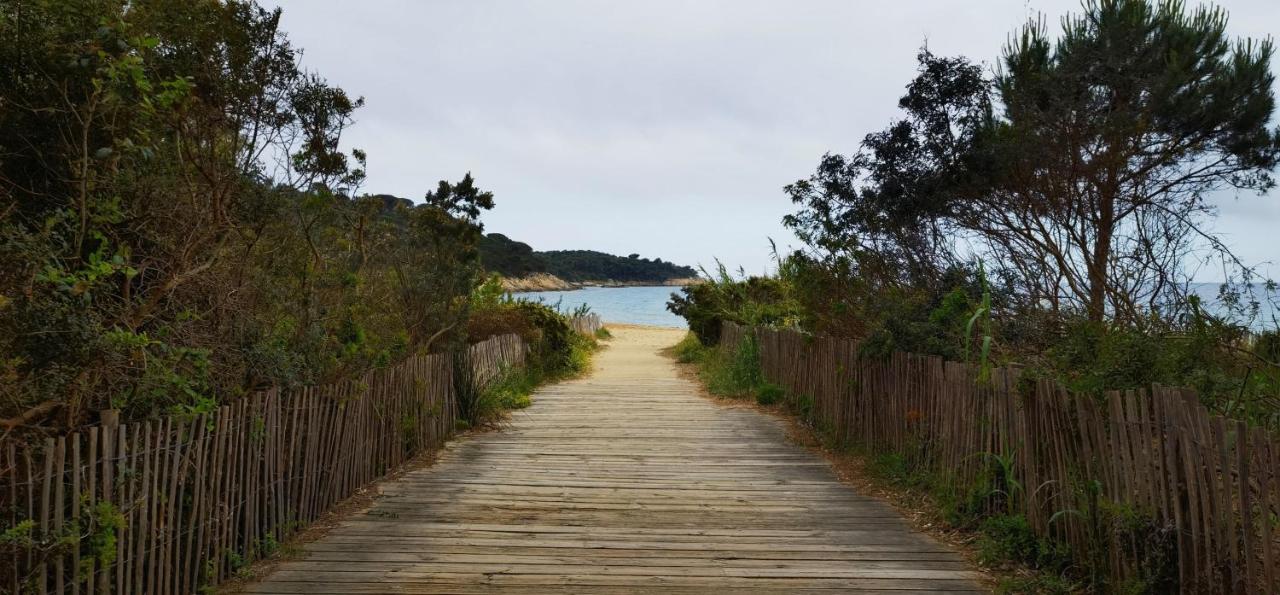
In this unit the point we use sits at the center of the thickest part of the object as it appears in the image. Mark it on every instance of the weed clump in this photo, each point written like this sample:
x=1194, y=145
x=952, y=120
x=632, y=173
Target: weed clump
x=768, y=394
x=556, y=351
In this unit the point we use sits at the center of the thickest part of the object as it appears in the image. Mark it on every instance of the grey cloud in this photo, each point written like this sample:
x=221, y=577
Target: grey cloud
x=666, y=128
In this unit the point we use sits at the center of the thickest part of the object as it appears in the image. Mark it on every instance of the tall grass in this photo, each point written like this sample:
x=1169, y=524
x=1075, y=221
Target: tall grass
x=729, y=372
x=510, y=390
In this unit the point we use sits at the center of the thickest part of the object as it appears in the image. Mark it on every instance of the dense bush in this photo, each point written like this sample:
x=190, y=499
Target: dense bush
x=589, y=265
x=749, y=301
x=1072, y=186
x=178, y=226
x=1234, y=370
x=510, y=258
x=975, y=227
x=556, y=351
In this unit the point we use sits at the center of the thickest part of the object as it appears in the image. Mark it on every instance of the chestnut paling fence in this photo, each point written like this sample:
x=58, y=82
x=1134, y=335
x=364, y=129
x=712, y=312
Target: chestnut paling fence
x=173, y=504
x=587, y=324
x=1141, y=483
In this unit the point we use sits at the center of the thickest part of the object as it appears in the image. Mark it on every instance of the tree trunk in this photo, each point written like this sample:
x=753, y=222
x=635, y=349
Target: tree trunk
x=1101, y=253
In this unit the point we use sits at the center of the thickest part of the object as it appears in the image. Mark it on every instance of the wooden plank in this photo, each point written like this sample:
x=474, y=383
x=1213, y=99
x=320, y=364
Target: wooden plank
x=124, y=488
x=1267, y=486
x=45, y=528
x=612, y=482
x=1250, y=556
x=1231, y=561
x=76, y=472
x=60, y=501
x=91, y=484
x=142, y=527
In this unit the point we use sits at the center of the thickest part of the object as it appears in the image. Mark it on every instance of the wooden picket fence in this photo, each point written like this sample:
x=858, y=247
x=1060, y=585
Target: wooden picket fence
x=170, y=505
x=586, y=324
x=1133, y=481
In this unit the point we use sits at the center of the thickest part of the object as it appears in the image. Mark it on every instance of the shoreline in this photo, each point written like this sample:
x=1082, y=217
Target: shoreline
x=633, y=325
x=593, y=286
x=541, y=282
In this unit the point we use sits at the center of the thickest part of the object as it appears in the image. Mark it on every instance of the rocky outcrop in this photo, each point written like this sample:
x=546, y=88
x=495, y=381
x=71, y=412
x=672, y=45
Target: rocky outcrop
x=537, y=282
x=549, y=282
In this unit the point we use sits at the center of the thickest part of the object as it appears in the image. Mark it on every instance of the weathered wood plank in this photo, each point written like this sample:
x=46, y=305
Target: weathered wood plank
x=626, y=481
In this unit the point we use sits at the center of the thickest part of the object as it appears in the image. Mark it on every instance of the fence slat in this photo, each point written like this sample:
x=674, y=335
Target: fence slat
x=201, y=495
x=1157, y=452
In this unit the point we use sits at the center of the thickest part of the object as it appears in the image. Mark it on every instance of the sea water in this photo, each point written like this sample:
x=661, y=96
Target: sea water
x=648, y=305
x=628, y=305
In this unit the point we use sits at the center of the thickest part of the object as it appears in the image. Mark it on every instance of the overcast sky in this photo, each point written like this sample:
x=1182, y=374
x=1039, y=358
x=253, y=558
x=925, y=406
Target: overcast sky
x=666, y=128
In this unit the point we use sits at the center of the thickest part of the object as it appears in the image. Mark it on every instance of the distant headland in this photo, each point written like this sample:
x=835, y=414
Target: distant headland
x=524, y=269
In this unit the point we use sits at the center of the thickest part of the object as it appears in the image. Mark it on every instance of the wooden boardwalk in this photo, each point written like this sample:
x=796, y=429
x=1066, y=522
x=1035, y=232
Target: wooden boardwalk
x=625, y=482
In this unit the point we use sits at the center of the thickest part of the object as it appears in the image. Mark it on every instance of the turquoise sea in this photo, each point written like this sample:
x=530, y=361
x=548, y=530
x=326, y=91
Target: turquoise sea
x=629, y=305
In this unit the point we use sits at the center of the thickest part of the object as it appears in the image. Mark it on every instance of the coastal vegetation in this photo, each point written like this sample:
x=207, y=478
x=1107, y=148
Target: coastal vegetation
x=180, y=225
x=512, y=259
x=942, y=235
x=1050, y=217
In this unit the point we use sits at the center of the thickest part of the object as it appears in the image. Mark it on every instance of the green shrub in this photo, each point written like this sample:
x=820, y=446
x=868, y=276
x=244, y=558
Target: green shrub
x=733, y=372
x=1039, y=584
x=556, y=351
x=802, y=406
x=748, y=301
x=1151, y=543
x=1011, y=538
x=510, y=390
x=768, y=394
x=690, y=350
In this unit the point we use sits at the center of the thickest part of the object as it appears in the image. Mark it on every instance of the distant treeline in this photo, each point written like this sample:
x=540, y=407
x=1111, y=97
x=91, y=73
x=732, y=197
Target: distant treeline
x=500, y=254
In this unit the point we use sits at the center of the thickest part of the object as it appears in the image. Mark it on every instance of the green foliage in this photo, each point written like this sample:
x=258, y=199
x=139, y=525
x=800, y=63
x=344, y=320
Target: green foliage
x=964, y=316
x=802, y=406
x=1007, y=537
x=104, y=521
x=509, y=258
x=489, y=294
x=1002, y=537
x=769, y=394
x=556, y=351
x=981, y=323
x=500, y=254
x=989, y=159
x=690, y=350
x=94, y=534
x=730, y=372
x=733, y=372
x=1153, y=546
x=589, y=265
x=1204, y=353
x=178, y=226
x=510, y=390
x=1087, y=286
x=1039, y=584
x=267, y=546
x=20, y=536
x=750, y=301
